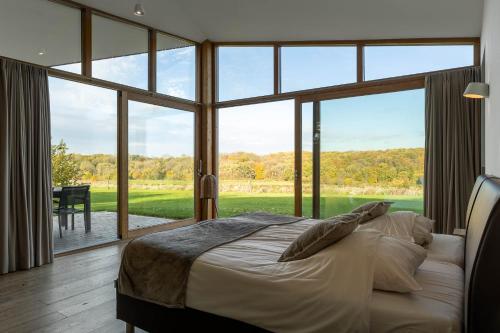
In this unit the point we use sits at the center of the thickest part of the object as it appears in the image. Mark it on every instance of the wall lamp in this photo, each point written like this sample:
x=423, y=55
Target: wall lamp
x=477, y=90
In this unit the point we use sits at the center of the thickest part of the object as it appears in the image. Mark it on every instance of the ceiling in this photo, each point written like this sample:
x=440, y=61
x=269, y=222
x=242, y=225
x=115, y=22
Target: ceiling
x=264, y=20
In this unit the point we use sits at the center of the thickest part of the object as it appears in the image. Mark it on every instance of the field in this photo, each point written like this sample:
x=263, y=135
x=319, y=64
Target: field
x=163, y=186
x=178, y=204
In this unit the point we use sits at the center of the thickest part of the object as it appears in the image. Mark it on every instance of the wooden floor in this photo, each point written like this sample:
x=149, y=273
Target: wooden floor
x=74, y=294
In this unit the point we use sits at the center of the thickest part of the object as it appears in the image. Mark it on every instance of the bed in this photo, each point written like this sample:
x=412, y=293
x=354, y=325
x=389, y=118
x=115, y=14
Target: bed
x=230, y=294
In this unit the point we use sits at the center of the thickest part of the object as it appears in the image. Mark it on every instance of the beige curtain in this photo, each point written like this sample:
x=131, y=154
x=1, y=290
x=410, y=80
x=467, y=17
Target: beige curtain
x=452, y=147
x=25, y=172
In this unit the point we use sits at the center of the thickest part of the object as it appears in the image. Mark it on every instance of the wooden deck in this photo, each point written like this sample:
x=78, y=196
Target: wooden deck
x=74, y=294
x=104, y=230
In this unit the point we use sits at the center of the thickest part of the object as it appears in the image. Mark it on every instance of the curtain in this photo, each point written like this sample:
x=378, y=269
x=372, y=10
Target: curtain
x=25, y=170
x=452, y=147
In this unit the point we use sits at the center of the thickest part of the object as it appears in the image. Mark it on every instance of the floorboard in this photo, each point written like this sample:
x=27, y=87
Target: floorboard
x=74, y=294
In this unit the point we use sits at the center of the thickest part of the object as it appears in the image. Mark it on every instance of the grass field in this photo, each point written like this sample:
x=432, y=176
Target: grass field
x=178, y=204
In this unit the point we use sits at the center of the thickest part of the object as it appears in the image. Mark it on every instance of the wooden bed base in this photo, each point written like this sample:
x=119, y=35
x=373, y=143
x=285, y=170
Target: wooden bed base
x=482, y=274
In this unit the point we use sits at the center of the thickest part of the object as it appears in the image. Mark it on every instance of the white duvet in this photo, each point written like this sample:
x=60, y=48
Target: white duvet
x=328, y=292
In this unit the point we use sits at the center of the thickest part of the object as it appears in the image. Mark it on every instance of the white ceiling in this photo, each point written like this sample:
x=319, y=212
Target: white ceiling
x=259, y=20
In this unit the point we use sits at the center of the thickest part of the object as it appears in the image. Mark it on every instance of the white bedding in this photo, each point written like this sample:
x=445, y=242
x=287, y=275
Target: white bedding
x=436, y=308
x=447, y=248
x=328, y=292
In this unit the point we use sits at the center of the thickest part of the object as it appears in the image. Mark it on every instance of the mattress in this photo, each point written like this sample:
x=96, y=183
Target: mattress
x=436, y=308
x=447, y=248
x=243, y=280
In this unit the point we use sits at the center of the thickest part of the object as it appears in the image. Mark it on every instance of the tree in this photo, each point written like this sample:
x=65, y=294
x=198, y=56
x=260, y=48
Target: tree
x=65, y=169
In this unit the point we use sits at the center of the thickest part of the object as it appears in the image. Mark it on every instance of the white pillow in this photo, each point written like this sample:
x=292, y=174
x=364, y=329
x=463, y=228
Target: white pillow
x=396, y=263
x=403, y=225
x=397, y=224
x=422, y=230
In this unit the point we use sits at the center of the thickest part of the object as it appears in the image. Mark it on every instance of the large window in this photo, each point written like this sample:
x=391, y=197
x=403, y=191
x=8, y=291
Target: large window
x=370, y=148
x=245, y=72
x=317, y=66
x=84, y=152
x=387, y=61
x=119, y=52
x=256, y=161
x=176, y=67
x=41, y=32
x=161, y=163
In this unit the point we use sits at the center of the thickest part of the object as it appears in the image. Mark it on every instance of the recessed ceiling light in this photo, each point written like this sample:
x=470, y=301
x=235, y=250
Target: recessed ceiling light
x=139, y=10
x=41, y=52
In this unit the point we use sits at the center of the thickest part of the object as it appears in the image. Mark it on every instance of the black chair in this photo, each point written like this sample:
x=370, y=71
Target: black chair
x=69, y=198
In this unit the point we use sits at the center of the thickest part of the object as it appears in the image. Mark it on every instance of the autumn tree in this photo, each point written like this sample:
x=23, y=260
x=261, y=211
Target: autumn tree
x=65, y=169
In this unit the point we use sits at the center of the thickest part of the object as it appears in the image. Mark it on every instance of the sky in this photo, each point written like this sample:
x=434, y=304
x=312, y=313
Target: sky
x=85, y=116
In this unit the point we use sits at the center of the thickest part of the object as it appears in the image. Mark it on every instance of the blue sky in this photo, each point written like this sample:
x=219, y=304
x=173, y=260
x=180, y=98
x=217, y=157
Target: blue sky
x=85, y=116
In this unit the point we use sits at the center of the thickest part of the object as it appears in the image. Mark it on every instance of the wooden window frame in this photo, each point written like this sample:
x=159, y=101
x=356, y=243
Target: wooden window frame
x=367, y=88
x=206, y=102
x=360, y=61
x=124, y=95
x=86, y=51
x=123, y=115
x=315, y=95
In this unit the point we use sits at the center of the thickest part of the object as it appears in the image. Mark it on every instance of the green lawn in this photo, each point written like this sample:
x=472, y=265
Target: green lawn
x=179, y=204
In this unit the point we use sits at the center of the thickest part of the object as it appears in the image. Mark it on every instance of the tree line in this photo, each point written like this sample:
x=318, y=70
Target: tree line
x=393, y=167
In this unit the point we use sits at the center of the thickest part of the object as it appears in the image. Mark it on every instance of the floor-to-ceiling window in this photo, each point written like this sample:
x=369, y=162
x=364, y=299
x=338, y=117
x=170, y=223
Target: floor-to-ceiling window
x=368, y=148
x=256, y=158
x=160, y=165
x=358, y=139
x=84, y=152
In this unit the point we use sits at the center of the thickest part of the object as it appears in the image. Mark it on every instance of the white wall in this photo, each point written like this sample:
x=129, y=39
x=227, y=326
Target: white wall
x=490, y=45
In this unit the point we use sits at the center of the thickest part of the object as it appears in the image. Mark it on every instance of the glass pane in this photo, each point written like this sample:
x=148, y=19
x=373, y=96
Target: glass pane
x=307, y=158
x=84, y=151
x=175, y=67
x=245, y=72
x=317, y=66
x=256, y=163
x=372, y=148
x=160, y=170
x=119, y=52
x=25, y=34
x=387, y=61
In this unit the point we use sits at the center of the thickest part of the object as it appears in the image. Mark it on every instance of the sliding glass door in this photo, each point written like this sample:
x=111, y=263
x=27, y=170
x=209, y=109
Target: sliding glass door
x=361, y=149
x=160, y=165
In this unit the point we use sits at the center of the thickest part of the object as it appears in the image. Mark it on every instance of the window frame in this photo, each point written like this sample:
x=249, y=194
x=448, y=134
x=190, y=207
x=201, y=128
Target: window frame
x=360, y=63
x=123, y=99
x=86, y=58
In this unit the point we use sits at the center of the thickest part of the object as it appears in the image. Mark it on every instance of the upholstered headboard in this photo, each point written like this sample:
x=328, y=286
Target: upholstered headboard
x=482, y=257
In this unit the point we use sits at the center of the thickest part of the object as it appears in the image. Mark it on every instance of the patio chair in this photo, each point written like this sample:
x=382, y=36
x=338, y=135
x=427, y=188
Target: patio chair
x=70, y=197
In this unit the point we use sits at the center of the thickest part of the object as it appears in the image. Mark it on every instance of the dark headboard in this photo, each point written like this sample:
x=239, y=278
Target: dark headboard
x=482, y=257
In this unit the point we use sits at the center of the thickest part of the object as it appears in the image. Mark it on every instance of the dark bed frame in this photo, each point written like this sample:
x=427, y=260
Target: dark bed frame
x=481, y=294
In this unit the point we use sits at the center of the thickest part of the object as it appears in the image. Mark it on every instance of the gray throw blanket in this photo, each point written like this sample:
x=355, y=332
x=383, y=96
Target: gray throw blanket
x=156, y=267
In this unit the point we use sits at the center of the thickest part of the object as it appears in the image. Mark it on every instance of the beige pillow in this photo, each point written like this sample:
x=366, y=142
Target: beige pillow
x=422, y=230
x=321, y=235
x=372, y=209
x=396, y=264
x=403, y=225
x=397, y=224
